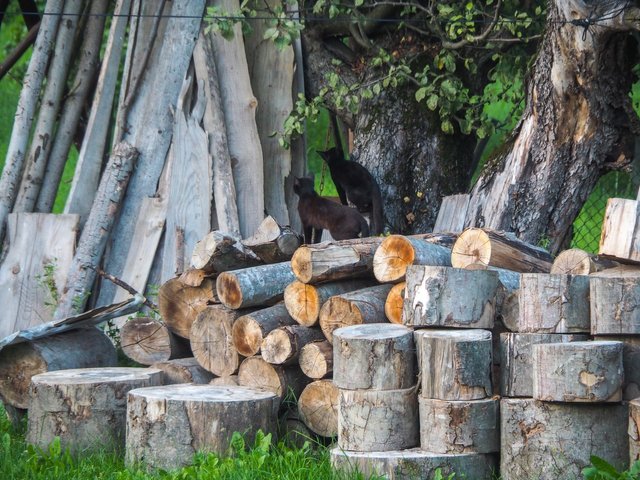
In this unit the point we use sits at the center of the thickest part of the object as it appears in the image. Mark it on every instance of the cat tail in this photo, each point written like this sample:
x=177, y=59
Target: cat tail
x=377, y=215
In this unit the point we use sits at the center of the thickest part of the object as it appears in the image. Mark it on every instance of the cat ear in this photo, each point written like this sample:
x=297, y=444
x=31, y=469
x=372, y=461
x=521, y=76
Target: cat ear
x=324, y=155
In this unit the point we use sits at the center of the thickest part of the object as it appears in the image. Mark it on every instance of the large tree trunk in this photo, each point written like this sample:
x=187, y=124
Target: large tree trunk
x=577, y=122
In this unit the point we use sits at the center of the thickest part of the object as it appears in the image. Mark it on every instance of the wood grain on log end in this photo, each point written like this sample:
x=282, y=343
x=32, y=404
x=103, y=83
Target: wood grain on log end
x=395, y=303
x=316, y=359
x=301, y=264
x=180, y=304
x=302, y=302
x=318, y=407
x=392, y=258
x=229, y=290
x=472, y=247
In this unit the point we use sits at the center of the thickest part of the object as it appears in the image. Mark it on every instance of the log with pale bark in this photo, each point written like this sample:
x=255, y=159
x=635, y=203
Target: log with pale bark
x=169, y=441
x=335, y=260
x=85, y=408
x=614, y=302
x=251, y=329
x=282, y=346
x=255, y=286
x=183, y=370
x=147, y=341
x=630, y=362
x=219, y=252
x=589, y=371
x=456, y=427
x=354, y=308
x=378, y=420
x=273, y=243
x=397, y=252
x=374, y=357
x=575, y=261
x=455, y=364
x=304, y=300
x=318, y=407
x=498, y=249
x=548, y=441
x=450, y=297
x=281, y=380
x=20, y=362
x=316, y=359
x=212, y=342
x=394, y=303
x=180, y=304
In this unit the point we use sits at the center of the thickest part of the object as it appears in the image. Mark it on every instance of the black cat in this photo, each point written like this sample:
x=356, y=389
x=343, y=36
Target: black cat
x=318, y=213
x=356, y=184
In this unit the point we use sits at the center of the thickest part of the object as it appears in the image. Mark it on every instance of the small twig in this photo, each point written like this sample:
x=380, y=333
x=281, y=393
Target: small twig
x=126, y=286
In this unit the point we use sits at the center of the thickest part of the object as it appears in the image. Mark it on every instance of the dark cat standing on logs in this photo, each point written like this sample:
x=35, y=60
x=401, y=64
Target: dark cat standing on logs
x=319, y=213
x=356, y=184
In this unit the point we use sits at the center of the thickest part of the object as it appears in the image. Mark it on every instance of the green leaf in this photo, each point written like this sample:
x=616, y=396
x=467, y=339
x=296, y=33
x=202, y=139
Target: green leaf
x=270, y=33
x=603, y=465
x=447, y=126
x=421, y=93
x=432, y=102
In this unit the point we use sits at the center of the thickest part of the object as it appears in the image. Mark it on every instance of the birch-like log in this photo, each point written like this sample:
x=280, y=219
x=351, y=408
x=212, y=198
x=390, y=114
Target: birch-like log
x=183, y=370
x=255, y=286
x=251, y=329
x=374, y=357
x=282, y=346
x=615, y=305
x=318, y=407
x=316, y=359
x=147, y=341
x=283, y=381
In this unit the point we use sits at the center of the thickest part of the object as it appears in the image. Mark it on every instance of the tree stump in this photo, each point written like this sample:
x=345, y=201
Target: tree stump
x=434, y=298
x=316, y=359
x=552, y=303
x=631, y=364
x=634, y=430
x=282, y=346
x=455, y=364
x=212, y=340
x=251, y=329
x=318, y=407
x=516, y=359
x=227, y=381
x=180, y=304
x=85, y=407
x=147, y=341
x=578, y=371
x=578, y=262
x=283, y=381
x=303, y=300
x=459, y=426
x=353, y=308
x=273, y=243
x=549, y=441
x=219, y=252
x=254, y=287
x=167, y=425
x=414, y=463
x=183, y=370
x=378, y=420
x=394, y=303
x=615, y=305
x=20, y=362
x=379, y=356
x=397, y=252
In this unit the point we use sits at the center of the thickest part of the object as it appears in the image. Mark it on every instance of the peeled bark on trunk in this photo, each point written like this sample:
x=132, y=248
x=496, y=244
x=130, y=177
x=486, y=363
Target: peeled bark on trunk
x=318, y=407
x=180, y=304
x=256, y=286
x=577, y=121
x=219, y=252
x=575, y=261
x=316, y=359
x=251, y=329
x=183, y=370
x=282, y=346
x=146, y=342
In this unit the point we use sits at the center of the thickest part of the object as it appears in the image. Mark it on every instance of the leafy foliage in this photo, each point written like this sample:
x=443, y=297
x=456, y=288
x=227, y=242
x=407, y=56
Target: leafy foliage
x=602, y=470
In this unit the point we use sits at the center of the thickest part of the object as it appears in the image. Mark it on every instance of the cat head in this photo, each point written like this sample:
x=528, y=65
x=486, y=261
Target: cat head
x=331, y=155
x=303, y=185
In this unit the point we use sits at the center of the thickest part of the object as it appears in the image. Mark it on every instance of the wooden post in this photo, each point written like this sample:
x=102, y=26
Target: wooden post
x=615, y=305
x=255, y=372
x=316, y=359
x=183, y=370
x=253, y=287
x=147, y=341
x=180, y=304
x=251, y=328
x=282, y=346
x=318, y=407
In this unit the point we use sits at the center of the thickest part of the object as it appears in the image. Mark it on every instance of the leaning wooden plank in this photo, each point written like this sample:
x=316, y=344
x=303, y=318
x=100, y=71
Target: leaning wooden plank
x=617, y=228
x=35, y=268
x=96, y=231
x=452, y=213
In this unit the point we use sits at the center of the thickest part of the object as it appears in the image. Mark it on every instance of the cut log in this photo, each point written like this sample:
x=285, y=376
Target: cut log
x=283, y=381
x=378, y=420
x=304, y=300
x=578, y=262
x=180, y=304
x=219, y=252
x=616, y=238
x=20, y=362
x=630, y=362
x=194, y=278
x=338, y=260
x=318, y=407
x=166, y=426
x=354, y=308
x=84, y=408
x=282, y=346
x=397, y=252
x=273, y=243
x=294, y=433
x=578, y=372
x=459, y=427
x=634, y=430
x=452, y=213
x=251, y=329
x=499, y=249
x=227, y=380
x=374, y=357
x=256, y=286
x=183, y=370
x=147, y=341
x=212, y=342
x=615, y=305
x=414, y=463
x=516, y=360
x=548, y=441
x=394, y=303
x=316, y=359
x=551, y=303
x=434, y=298
x=455, y=364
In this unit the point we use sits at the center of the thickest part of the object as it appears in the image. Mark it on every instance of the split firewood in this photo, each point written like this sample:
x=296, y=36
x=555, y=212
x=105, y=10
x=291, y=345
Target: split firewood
x=193, y=277
x=273, y=243
x=318, y=407
x=499, y=249
x=354, y=308
x=255, y=372
x=578, y=262
x=335, y=260
x=147, y=341
x=397, y=252
x=316, y=359
x=303, y=300
x=183, y=370
x=394, y=303
x=255, y=286
x=180, y=304
x=250, y=330
x=282, y=346
x=219, y=252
